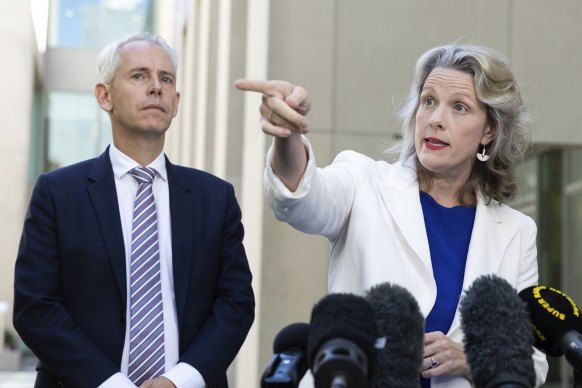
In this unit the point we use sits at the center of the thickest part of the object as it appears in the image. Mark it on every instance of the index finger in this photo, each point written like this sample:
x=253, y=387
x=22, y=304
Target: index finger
x=271, y=88
x=252, y=85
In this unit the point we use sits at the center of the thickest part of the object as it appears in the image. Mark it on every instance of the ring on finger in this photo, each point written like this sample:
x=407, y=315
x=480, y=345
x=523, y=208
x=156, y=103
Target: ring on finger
x=433, y=363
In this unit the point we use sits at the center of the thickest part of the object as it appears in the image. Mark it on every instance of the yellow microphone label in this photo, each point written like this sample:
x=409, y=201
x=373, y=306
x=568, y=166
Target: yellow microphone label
x=537, y=293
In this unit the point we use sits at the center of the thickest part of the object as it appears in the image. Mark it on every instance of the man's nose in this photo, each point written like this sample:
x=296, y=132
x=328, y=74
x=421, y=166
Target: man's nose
x=155, y=86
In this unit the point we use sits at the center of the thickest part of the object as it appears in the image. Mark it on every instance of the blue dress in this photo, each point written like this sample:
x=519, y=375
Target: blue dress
x=449, y=234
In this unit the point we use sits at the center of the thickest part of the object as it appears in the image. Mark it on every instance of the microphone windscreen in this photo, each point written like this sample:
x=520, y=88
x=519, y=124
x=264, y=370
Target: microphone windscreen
x=289, y=363
x=552, y=314
x=498, y=337
x=343, y=316
x=293, y=336
x=399, y=321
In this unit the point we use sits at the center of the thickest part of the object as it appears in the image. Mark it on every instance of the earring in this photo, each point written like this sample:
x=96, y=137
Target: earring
x=482, y=156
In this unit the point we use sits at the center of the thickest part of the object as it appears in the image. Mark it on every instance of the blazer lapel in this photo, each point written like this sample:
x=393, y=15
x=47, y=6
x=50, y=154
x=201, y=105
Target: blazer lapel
x=103, y=196
x=489, y=241
x=181, y=214
x=401, y=197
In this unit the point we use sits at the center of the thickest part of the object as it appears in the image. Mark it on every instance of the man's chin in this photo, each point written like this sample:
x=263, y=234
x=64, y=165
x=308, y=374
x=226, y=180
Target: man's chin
x=151, y=133
x=155, y=129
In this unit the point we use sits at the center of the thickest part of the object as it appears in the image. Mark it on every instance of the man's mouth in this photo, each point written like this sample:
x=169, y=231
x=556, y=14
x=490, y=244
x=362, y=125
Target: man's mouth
x=155, y=106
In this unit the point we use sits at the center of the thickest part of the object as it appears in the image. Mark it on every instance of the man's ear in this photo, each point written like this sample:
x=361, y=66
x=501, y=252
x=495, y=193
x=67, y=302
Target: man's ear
x=103, y=97
x=176, y=103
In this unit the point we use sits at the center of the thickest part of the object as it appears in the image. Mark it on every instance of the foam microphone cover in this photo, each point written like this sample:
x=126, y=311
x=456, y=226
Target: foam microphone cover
x=498, y=338
x=553, y=314
x=399, y=321
x=293, y=336
x=289, y=363
x=346, y=317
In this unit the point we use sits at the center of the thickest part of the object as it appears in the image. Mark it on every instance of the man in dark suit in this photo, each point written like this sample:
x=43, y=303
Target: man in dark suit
x=93, y=314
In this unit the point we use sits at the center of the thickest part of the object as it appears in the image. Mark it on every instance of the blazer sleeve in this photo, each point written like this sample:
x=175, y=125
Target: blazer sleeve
x=324, y=197
x=223, y=332
x=40, y=316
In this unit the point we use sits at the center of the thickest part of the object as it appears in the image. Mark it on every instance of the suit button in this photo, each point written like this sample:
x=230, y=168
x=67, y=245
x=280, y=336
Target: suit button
x=121, y=316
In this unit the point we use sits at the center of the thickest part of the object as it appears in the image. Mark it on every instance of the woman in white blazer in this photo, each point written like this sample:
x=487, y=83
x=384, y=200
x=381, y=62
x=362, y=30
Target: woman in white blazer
x=464, y=130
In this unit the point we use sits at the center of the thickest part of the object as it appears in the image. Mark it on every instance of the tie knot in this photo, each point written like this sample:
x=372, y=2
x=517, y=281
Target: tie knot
x=143, y=174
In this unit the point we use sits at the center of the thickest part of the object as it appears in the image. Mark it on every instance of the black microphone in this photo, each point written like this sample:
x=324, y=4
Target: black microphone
x=289, y=363
x=498, y=337
x=400, y=326
x=341, y=341
x=556, y=323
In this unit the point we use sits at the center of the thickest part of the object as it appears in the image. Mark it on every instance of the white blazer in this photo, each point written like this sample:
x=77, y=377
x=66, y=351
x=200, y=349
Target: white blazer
x=371, y=213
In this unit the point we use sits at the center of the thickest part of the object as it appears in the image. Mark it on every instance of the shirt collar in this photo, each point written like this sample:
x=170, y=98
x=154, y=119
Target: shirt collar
x=122, y=163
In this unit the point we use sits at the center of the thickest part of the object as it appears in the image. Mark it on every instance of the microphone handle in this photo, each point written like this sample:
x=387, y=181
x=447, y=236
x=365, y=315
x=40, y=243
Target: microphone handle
x=339, y=382
x=571, y=345
x=577, y=379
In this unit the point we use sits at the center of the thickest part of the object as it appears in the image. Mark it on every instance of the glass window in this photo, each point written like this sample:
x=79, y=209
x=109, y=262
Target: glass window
x=549, y=221
x=574, y=157
x=93, y=23
x=573, y=225
x=526, y=197
x=77, y=128
x=575, y=247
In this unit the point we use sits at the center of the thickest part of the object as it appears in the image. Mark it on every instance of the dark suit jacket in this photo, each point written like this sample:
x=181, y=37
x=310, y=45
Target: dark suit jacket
x=70, y=278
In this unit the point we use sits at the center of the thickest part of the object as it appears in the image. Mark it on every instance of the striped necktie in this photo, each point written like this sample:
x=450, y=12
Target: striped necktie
x=146, y=334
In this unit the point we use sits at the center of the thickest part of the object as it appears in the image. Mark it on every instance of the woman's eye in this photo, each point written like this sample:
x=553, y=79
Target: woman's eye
x=460, y=108
x=428, y=101
x=137, y=76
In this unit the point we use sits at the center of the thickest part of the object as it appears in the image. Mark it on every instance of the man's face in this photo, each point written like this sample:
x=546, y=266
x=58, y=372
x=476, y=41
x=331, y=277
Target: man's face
x=142, y=99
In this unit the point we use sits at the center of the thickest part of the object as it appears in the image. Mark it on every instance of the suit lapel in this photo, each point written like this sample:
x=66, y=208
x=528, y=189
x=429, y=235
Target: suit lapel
x=181, y=214
x=103, y=196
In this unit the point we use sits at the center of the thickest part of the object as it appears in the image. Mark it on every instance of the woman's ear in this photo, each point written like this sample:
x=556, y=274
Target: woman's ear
x=489, y=135
x=103, y=97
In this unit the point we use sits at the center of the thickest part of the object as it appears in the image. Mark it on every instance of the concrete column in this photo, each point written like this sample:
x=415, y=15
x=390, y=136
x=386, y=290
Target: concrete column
x=247, y=366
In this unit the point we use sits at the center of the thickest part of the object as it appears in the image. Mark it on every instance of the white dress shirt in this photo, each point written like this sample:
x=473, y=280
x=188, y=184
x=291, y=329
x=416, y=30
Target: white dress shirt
x=181, y=374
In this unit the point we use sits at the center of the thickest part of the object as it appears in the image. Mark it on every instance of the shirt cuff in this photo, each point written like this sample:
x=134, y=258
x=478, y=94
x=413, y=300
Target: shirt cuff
x=118, y=380
x=184, y=375
x=276, y=188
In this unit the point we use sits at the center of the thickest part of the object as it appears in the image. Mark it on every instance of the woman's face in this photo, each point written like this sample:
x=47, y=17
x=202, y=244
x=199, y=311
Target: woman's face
x=451, y=123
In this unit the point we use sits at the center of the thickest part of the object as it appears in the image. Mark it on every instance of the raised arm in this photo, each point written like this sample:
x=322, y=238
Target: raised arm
x=283, y=113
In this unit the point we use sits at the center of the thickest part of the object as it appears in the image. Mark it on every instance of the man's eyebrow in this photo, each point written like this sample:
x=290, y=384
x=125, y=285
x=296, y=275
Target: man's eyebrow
x=148, y=70
x=168, y=73
x=144, y=69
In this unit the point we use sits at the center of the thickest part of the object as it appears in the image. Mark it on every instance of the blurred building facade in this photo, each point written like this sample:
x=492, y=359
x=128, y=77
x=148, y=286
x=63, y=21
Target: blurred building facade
x=355, y=57
x=21, y=67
